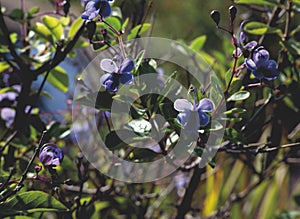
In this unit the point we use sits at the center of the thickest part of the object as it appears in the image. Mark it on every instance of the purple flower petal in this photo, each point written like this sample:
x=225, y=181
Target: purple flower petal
x=105, y=9
x=182, y=105
x=272, y=71
x=105, y=78
x=260, y=56
x=242, y=37
x=126, y=66
x=108, y=65
x=249, y=46
x=8, y=115
x=237, y=52
x=126, y=78
x=189, y=120
x=90, y=11
x=206, y=105
x=204, y=118
x=49, y=155
x=250, y=64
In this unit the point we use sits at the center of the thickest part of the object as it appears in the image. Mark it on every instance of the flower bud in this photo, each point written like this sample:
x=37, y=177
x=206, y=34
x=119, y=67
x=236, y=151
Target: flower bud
x=215, y=15
x=232, y=12
x=91, y=28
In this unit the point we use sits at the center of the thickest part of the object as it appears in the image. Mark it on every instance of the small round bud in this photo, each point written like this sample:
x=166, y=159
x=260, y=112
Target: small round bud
x=103, y=32
x=232, y=12
x=215, y=15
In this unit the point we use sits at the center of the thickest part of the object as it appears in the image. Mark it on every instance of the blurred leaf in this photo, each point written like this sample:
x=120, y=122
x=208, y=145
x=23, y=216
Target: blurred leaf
x=75, y=27
x=289, y=103
x=289, y=215
x=215, y=126
x=4, y=66
x=292, y=46
x=13, y=37
x=258, y=28
x=114, y=22
x=138, y=60
x=125, y=23
x=65, y=21
x=17, y=15
x=33, y=11
x=31, y=201
x=42, y=31
x=240, y=95
x=58, y=78
x=257, y=2
x=235, y=111
x=54, y=25
x=138, y=30
x=198, y=43
x=116, y=12
x=113, y=140
x=143, y=154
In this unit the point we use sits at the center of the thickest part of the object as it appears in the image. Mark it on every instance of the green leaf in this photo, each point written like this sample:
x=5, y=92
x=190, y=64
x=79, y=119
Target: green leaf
x=59, y=79
x=3, y=66
x=75, y=27
x=198, y=43
x=114, y=22
x=292, y=46
x=138, y=30
x=138, y=60
x=240, y=95
x=140, y=126
x=65, y=21
x=17, y=15
x=235, y=111
x=33, y=11
x=54, y=25
x=258, y=28
x=42, y=31
x=31, y=201
x=257, y=2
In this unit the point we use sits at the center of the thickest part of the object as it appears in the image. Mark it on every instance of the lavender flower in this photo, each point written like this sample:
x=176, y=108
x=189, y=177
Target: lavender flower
x=241, y=42
x=11, y=95
x=190, y=116
x=116, y=75
x=94, y=8
x=260, y=65
x=50, y=155
x=8, y=115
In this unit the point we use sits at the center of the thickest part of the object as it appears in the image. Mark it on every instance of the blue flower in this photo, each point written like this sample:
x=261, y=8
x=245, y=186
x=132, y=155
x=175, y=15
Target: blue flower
x=116, y=75
x=94, y=8
x=50, y=155
x=260, y=65
x=241, y=42
x=190, y=116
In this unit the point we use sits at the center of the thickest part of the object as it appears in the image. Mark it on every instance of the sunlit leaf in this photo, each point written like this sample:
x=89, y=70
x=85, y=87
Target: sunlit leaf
x=58, y=78
x=240, y=95
x=138, y=30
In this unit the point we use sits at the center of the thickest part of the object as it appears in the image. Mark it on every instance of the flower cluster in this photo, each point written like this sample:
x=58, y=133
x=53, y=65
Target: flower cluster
x=192, y=116
x=259, y=63
x=261, y=66
x=50, y=155
x=93, y=8
x=116, y=75
x=240, y=42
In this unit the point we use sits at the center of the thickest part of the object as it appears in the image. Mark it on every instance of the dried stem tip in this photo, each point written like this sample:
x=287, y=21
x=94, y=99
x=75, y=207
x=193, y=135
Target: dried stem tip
x=215, y=15
x=232, y=11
